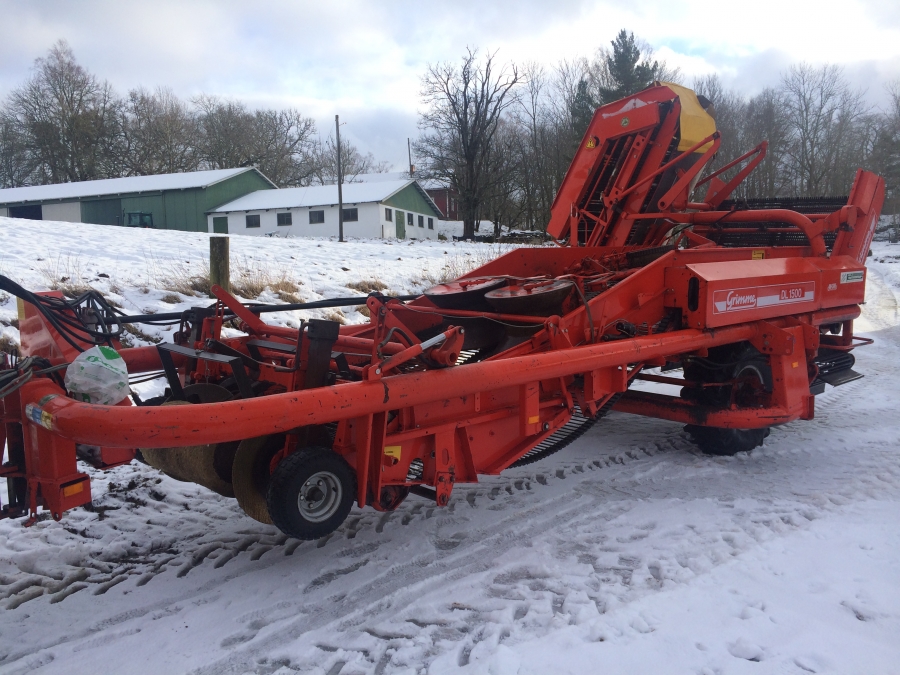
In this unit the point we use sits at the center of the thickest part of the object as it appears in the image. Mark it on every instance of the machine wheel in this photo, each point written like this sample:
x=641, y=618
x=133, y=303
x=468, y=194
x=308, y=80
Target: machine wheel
x=250, y=474
x=726, y=442
x=310, y=493
x=751, y=375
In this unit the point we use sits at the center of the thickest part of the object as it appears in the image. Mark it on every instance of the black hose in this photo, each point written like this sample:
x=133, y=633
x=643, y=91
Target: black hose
x=262, y=309
x=69, y=317
x=59, y=312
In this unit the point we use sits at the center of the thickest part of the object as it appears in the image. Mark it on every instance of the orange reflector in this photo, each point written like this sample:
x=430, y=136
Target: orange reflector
x=534, y=419
x=795, y=364
x=70, y=490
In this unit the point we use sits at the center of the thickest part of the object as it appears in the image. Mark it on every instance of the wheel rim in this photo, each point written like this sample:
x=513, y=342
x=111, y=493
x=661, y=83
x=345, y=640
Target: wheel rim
x=749, y=390
x=320, y=497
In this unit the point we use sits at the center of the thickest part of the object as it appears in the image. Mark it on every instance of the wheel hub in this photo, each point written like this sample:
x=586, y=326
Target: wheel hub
x=320, y=496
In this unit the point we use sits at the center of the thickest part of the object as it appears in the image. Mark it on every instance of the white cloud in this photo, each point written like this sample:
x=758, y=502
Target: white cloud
x=364, y=60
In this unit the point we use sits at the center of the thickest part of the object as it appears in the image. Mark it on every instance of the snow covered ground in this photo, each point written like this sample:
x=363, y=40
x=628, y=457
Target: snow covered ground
x=628, y=552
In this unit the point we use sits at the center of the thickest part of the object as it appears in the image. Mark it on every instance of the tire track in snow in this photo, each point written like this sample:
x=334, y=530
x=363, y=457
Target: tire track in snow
x=587, y=512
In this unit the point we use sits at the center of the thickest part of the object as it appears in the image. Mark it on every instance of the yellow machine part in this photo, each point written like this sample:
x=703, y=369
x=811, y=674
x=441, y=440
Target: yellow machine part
x=696, y=123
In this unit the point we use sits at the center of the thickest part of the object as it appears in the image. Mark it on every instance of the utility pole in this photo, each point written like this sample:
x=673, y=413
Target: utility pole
x=340, y=179
x=412, y=168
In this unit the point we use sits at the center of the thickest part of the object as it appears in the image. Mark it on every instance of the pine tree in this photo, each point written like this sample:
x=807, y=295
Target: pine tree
x=581, y=108
x=627, y=73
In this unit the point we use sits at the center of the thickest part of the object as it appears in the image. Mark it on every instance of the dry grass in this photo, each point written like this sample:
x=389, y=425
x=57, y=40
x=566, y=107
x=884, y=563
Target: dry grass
x=286, y=289
x=181, y=278
x=133, y=330
x=171, y=298
x=367, y=286
x=461, y=264
x=65, y=275
x=248, y=280
x=9, y=322
x=336, y=315
x=364, y=310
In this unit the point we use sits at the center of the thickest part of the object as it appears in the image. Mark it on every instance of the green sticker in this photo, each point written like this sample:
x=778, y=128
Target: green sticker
x=109, y=353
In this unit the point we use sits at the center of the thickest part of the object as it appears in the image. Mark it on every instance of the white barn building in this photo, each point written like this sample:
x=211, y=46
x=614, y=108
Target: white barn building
x=390, y=209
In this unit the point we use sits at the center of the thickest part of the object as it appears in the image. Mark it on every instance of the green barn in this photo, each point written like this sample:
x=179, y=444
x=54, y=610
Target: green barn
x=174, y=201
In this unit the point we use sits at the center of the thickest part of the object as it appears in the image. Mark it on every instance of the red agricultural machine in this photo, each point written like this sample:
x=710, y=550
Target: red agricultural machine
x=744, y=307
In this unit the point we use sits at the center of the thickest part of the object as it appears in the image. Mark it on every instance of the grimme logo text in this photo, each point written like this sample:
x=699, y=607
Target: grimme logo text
x=736, y=300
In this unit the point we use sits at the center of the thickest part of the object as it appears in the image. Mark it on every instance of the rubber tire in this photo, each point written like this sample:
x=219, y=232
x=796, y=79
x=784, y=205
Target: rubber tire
x=288, y=479
x=726, y=442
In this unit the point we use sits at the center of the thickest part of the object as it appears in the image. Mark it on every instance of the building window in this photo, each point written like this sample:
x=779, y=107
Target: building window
x=253, y=220
x=431, y=223
x=284, y=218
x=409, y=219
x=388, y=215
x=351, y=215
x=316, y=217
x=421, y=221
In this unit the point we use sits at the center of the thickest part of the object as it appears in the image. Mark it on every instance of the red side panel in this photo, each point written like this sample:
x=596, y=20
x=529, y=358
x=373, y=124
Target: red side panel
x=867, y=194
x=626, y=117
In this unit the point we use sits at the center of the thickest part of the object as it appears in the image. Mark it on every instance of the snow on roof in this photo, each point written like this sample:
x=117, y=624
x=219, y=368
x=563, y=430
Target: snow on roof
x=113, y=186
x=427, y=183
x=320, y=195
x=378, y=177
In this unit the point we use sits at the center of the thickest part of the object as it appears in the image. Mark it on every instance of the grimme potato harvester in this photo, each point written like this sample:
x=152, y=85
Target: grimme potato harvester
x=743, y=307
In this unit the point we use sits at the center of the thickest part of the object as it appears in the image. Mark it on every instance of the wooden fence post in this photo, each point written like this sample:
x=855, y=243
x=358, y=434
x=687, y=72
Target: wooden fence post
x=219, y=267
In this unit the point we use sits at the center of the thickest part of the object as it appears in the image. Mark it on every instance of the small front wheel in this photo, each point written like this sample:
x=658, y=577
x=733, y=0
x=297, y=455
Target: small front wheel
x=310, y=493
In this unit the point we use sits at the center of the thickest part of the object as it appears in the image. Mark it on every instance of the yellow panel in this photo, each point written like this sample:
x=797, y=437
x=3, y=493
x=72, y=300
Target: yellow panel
x=393, y=451
x=70, y=490
x=696, y=123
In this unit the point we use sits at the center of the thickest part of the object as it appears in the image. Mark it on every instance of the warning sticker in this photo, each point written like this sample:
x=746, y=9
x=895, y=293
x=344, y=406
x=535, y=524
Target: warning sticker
x=852, y=277
x=760, y=297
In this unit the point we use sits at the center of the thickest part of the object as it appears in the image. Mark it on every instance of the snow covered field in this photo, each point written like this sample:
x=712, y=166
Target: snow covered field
x=627, y=552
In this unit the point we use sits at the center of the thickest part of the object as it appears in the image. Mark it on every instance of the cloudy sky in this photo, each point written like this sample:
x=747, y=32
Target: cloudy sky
x=364, y=60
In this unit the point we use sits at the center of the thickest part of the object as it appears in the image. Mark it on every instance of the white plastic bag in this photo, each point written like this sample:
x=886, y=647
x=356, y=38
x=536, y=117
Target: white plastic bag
x=98, y=375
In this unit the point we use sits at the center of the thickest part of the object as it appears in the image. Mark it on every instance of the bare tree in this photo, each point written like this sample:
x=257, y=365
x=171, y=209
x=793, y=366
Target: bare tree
x=886, y=155
x=284, y=146
x=767, y=120
x=16, y=167
x=69, y=120
x=463, y=107
x=160, y=133
x=503, y=202
x=278, y=142
x=226, y=134
x=353, y=162
x=822, y=111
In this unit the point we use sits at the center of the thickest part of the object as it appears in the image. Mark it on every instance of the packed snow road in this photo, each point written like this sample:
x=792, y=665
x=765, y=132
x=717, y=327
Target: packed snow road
x=627, y=552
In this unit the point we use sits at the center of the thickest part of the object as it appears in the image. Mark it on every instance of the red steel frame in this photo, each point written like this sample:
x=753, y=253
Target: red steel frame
x=478, y=418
